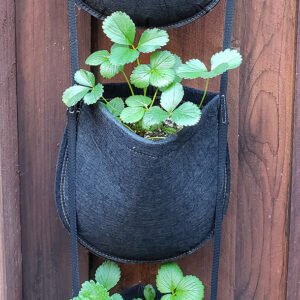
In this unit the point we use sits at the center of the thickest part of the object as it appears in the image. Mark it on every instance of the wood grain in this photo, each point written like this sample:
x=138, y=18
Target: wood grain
x=293, y=282
x=200, y=40
x=43, y=72
x=265, y=129
x=10, y=230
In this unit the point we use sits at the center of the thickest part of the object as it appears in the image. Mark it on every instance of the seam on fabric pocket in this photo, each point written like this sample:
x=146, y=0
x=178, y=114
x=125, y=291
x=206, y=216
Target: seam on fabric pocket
x=141, y=153
x=62, y=184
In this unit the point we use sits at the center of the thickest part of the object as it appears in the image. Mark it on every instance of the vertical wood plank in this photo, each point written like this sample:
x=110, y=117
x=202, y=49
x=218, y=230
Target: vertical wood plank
x=293, y=284
x=265, y=129
x=10, y=230
x=43, y=72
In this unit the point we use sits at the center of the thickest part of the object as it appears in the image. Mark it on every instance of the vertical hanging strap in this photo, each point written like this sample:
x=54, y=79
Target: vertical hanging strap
x=71, y=136
x=222, y=154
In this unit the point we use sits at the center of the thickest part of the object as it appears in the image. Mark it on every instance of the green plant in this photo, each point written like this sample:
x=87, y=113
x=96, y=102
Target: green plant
x=139, y=112
x=149, y=293
x=170, y=281
x=107, y=276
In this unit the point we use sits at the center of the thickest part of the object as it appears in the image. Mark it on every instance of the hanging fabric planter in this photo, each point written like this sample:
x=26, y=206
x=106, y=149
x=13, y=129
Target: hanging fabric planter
x=154, y=13
x=141, y=200
x=133, y=200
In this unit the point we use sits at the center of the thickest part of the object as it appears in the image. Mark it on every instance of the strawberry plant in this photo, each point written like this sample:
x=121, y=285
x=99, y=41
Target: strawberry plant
x=170, y=282
x=164, y=111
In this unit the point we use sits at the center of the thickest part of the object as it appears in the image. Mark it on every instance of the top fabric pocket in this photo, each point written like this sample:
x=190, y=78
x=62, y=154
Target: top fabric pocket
x=151, y=13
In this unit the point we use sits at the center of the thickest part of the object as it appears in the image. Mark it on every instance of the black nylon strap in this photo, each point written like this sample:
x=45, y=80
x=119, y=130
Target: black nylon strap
x=72, y=132
x=71, y=173
x=222, y=153
x=73, y=38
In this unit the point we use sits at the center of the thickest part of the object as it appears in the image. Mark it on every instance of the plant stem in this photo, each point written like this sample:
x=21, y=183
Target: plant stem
x=118, y=112
x=127, y=127
x=138, y=61
x=156, y=138
x=204, y=94
x=110, y=105
x=145, y=91
x=154, y=97
x=128, y=83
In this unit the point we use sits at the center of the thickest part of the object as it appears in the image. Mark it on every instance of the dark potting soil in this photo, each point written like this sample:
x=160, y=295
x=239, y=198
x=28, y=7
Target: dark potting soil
x=160, y=132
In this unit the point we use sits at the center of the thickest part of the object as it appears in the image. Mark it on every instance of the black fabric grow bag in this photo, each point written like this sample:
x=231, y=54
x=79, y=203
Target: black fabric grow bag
x=140, y=200
x=151, y=13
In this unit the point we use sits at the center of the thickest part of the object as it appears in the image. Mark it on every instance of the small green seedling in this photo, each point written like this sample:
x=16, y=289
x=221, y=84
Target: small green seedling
x=141, y=113
x=149, y=293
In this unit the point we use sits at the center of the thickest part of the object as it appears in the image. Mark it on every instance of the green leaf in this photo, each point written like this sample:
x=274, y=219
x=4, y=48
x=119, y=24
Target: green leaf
x=162, y=78
x=158, y=74
x=94, y=95
x=169, y=130
x=108, y=70
x=155, y=115
x=108, y=274
x=119, y=28
x=162, y=60
x=137, y=299
x=177, y=79
x=187, y=114
x=93, y=291
x=84, y=77
x=74, y=94
x=168, y=277
x=178, y=64
x=140, y=76
x=122, y=54
x=152, y=39
x=220, y=63
x=171, y=97
x=97, y=58
x=118, y=104
x=138, y=101
x=162, y=73
x=192, y=69
x=149, y=292
x=190, y=288
x=132, y=114
x=168, y=297
x=225, y=60
x=116, y=297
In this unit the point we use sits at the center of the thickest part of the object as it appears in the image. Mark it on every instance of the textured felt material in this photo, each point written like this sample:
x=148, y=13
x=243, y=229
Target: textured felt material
x=140, y=200
x=151, y=13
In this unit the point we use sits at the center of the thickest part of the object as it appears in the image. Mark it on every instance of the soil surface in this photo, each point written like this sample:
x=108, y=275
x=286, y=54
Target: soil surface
x=167, y=129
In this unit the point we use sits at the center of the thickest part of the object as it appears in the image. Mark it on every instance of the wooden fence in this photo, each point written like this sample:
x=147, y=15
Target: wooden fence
x=261, y=240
